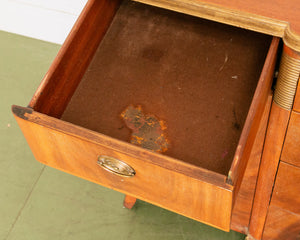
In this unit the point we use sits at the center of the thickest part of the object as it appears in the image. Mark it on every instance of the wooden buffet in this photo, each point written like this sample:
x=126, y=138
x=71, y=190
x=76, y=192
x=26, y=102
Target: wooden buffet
x=212, y=111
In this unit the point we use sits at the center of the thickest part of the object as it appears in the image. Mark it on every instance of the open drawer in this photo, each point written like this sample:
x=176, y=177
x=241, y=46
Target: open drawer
x=203, y=85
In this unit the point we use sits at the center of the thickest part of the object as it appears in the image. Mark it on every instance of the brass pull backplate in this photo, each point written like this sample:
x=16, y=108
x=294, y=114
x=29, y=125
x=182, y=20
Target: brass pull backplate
x=115, y=166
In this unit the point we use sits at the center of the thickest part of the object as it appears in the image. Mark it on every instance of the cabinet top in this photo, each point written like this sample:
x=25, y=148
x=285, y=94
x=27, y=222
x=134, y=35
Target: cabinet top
x=279, y=18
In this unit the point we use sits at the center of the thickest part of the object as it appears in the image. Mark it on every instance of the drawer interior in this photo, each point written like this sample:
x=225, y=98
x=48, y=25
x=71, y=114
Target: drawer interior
x=197, y=76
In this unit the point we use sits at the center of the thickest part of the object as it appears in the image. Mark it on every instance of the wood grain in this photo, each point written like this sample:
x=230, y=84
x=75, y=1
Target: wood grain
x=287, y=80
x=291, y=52
x=283, y=220
x=196, y=192
x=296, y=105
x=243, y=204
x=281, y=224
x=254, y=117
x=278, y=18
x=277, y=126
x=291, y=148
x=287, y=188
x=68, y=67
x=65, y=147
x=159, y=54
x=126, y=148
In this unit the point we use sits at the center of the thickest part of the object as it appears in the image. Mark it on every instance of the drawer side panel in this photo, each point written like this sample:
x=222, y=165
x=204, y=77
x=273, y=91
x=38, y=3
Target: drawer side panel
x=255, y=115
x=243, y=204
x=67, y=69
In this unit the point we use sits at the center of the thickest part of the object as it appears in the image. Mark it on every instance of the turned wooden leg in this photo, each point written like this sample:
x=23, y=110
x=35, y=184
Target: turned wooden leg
x=129, y=201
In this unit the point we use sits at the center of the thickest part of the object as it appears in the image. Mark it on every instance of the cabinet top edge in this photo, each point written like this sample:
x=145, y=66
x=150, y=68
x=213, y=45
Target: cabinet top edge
x=281, y=19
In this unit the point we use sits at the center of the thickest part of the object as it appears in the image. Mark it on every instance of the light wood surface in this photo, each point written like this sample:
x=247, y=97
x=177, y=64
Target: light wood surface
x=283, y=220
x=243, y=205
x=281, y=224
x=123, y=147
x=197, y=192
x=48, y=98
x=254, y=117
x=68, y=67
x=204, y=108
x=75, y=150
x=291, y=149
x=129, y=201
x=287, y=186
x=276, y=131
x=286, y=84
x=279, y=18
x=296, y=105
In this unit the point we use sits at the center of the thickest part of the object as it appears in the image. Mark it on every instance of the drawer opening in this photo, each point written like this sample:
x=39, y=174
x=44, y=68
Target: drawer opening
x=197, y=76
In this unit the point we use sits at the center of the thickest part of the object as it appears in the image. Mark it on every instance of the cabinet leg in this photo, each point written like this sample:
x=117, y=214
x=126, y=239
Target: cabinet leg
x=129, y=201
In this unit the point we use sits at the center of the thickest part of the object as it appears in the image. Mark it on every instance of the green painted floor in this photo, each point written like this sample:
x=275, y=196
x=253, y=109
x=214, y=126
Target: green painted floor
x=38, y=202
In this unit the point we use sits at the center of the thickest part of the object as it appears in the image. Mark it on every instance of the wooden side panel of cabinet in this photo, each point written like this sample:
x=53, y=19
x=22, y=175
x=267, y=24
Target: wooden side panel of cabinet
x=286, y=193
x=281, y=225
x=283, y=220
x=296, y=106
x=277, y=126
x=291, y=149
x=296, y=56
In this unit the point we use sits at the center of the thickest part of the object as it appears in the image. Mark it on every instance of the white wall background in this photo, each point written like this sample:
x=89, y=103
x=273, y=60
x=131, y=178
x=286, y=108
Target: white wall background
x=48, y=20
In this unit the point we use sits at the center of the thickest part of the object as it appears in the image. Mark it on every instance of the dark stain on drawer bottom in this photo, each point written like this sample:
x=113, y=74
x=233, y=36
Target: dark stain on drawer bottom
x=147, y=130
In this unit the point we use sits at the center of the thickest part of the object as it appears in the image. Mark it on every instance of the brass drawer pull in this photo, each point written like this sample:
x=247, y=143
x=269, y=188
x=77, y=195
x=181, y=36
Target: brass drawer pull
x=115, y=166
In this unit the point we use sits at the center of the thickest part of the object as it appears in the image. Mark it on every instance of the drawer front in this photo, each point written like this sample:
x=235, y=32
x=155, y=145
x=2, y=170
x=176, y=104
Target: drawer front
x=281, y=224
x=187, y=195
x=291, y=149
x=283, y=220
